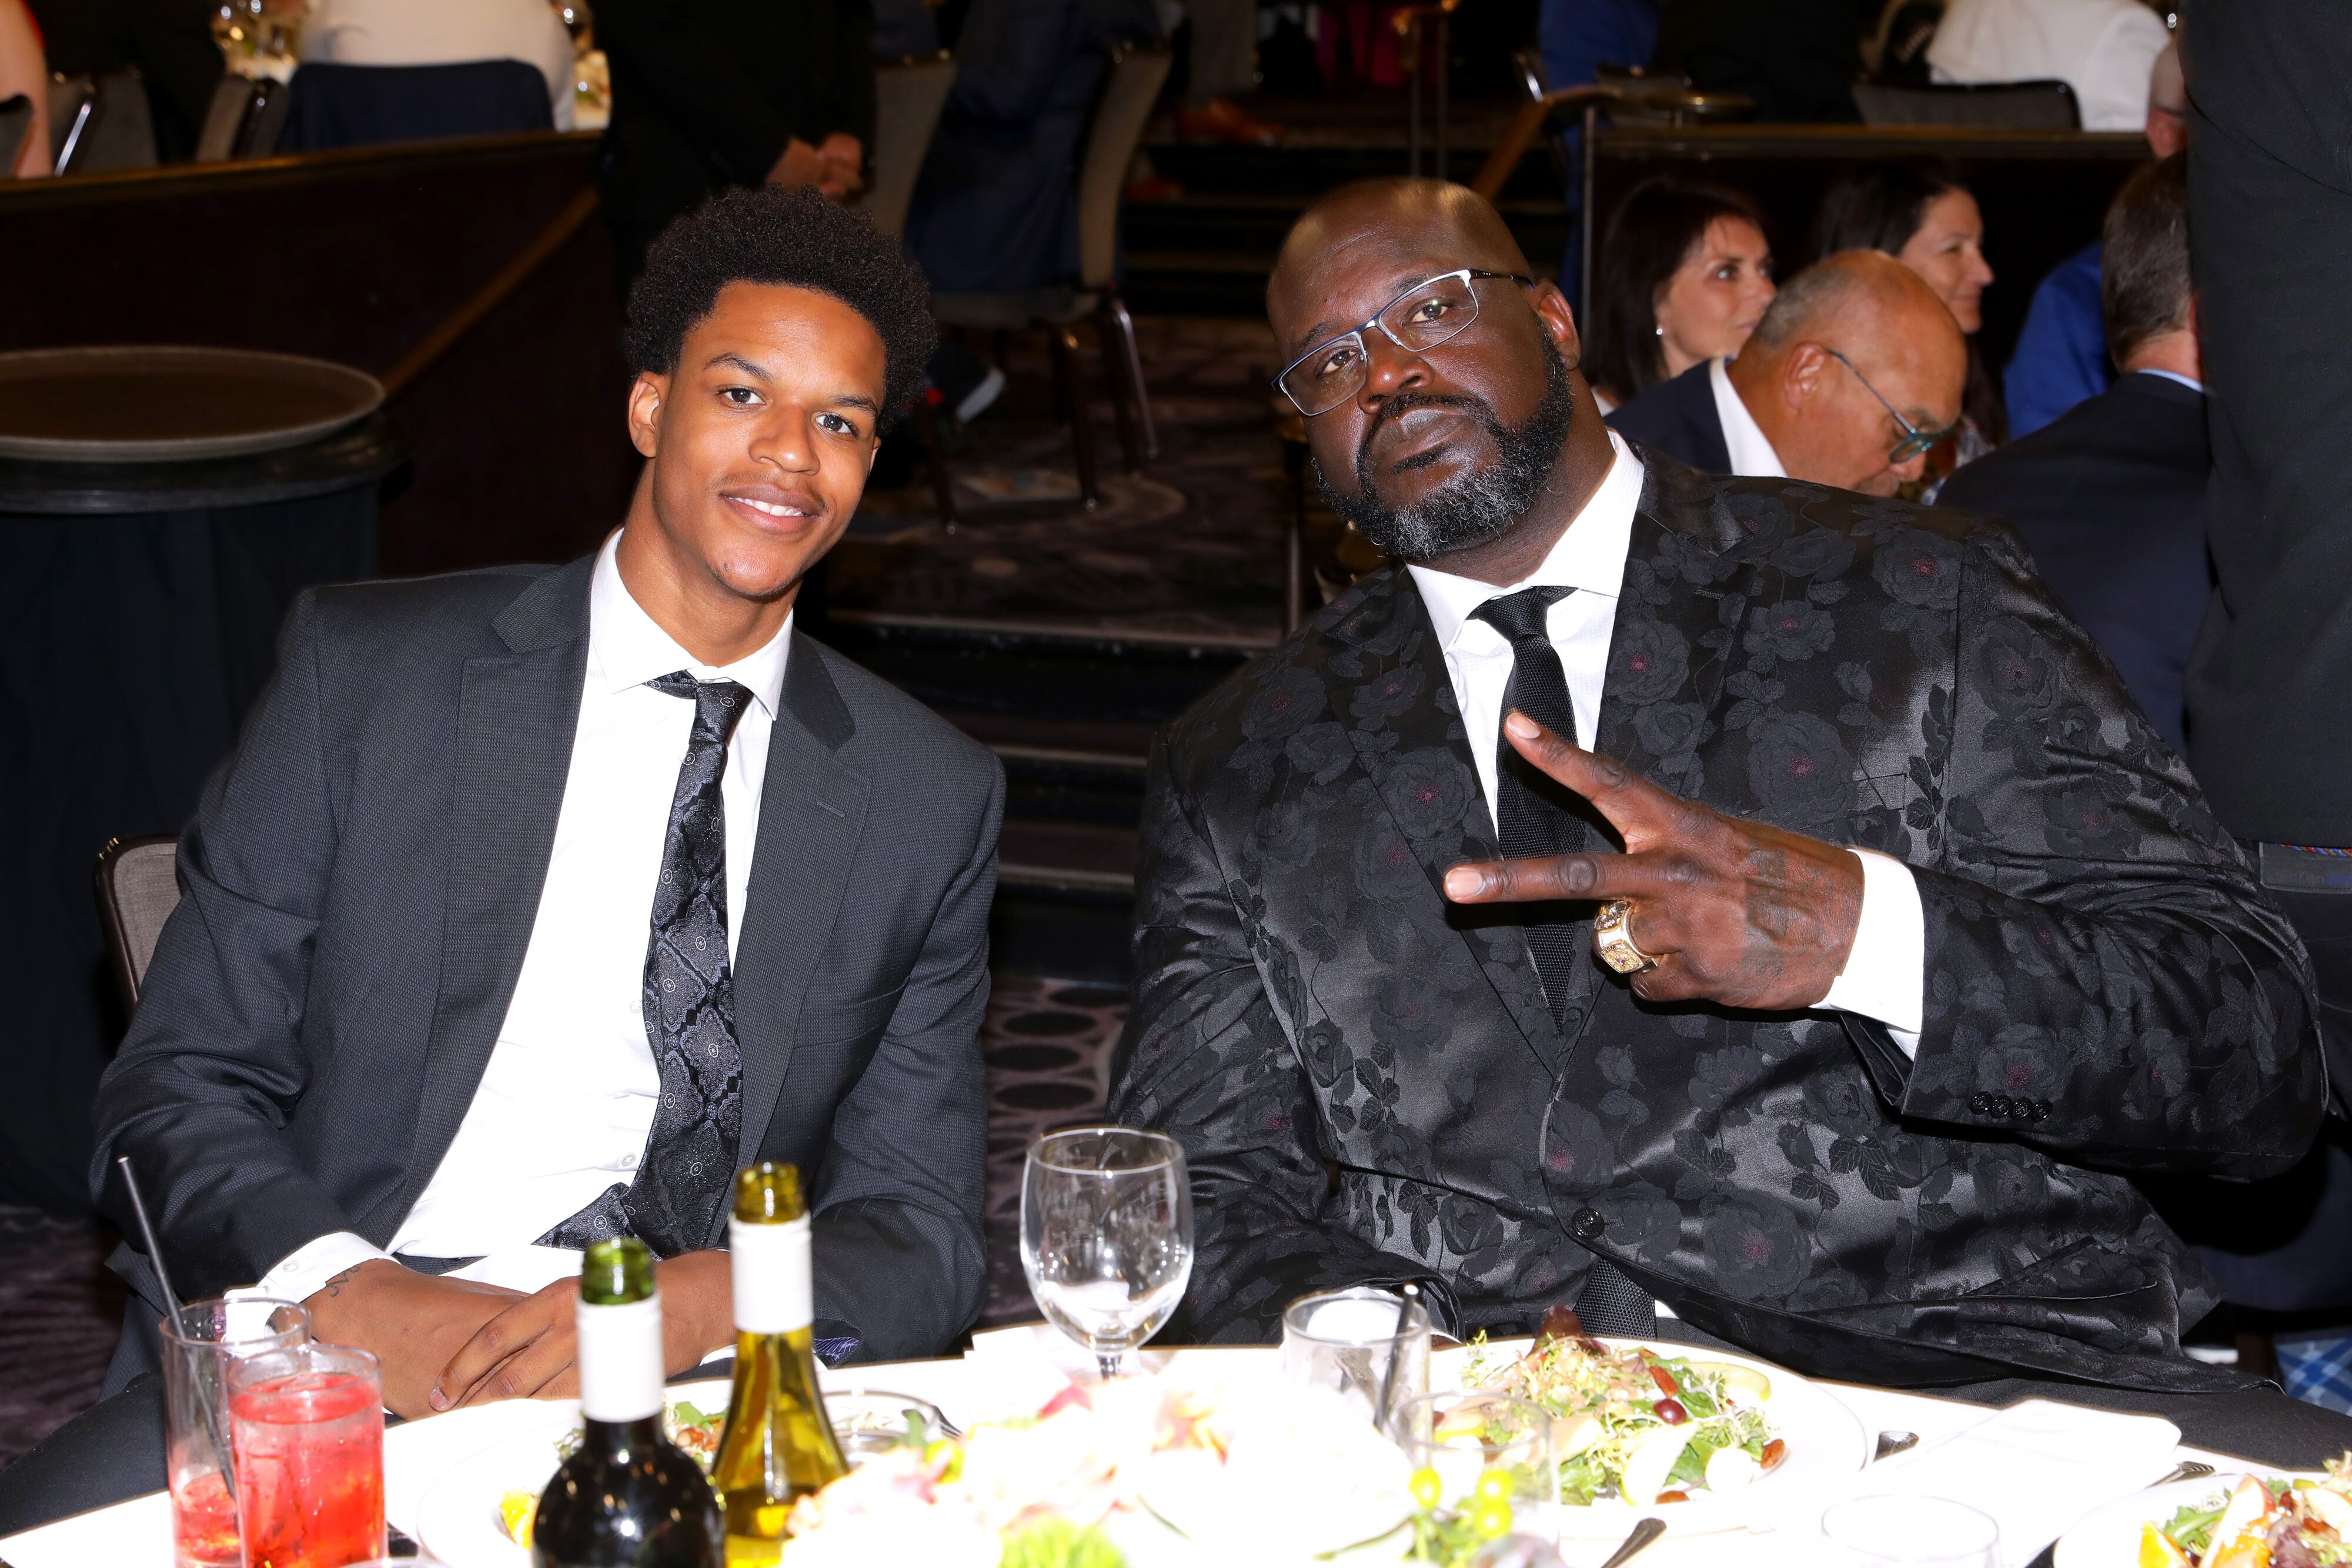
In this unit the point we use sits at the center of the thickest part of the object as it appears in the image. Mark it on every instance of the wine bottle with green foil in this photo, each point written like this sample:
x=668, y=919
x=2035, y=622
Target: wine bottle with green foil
x=627, y=1497
x=779, y=1445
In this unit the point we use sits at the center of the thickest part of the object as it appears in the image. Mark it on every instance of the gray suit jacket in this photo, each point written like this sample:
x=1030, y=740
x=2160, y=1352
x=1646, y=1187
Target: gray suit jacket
x=359, y=885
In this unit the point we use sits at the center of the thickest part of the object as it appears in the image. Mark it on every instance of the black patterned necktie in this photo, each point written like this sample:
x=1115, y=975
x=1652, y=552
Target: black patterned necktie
x=1529, y=820
x=689, y=1164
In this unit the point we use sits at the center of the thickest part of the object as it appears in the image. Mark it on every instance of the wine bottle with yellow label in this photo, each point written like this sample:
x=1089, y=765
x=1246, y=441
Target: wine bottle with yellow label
x=779, y=1445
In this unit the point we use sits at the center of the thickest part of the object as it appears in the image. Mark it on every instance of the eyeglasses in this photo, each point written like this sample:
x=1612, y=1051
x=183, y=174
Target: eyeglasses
x=1915, y=440
x=1423, y=316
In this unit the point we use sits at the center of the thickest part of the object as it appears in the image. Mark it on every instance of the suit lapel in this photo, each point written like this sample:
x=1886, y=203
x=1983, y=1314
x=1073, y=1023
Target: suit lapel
x=517, y=716
x=1390, y=680
x=812, y=816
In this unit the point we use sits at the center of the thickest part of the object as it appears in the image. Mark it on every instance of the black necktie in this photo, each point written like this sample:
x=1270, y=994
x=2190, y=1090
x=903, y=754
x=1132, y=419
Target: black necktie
x=689, y=1166
x=1529, y=821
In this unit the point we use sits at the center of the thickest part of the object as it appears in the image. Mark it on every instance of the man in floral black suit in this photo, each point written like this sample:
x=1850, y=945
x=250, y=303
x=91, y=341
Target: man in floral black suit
x=1863, y=1111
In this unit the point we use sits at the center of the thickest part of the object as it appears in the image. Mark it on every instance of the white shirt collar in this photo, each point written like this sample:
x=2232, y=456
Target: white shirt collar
x=2191, y=382
x=1589, y=556
x=1752, y=456
x=627, y=648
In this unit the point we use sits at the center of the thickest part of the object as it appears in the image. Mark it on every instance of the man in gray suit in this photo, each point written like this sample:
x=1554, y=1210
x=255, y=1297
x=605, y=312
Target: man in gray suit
x=410, y=1041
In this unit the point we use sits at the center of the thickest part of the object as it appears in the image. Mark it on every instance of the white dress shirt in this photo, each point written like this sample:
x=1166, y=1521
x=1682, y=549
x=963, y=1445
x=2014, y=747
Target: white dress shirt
x=1752, y=456
x=1884, y=974
x=446, y=33
x=2104, y=50
x=570, y=1090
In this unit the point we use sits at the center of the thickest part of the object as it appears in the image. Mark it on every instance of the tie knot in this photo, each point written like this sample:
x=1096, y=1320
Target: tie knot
x=1522, y=617
x=718, y=704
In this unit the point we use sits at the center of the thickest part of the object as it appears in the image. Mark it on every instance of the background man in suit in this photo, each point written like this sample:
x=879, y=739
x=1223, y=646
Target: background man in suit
x=409, y=1041
x=1846, y=1109
x=1854, y=373
x=2111, y=497
x=712, y=93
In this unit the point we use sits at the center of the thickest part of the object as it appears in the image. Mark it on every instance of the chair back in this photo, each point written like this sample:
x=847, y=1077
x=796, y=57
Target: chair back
x=113, y=130
x=16, y=124
x=2005, y=105
x=225, y=118
x=138, y=888
x=361, y=106
x=908, y=96
x=1131, y=88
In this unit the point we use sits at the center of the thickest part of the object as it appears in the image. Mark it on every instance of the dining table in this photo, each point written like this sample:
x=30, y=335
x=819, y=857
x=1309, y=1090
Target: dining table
x=2037, y=1468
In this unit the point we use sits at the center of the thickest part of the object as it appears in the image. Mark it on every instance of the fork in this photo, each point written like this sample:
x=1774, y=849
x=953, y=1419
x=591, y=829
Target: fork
x=2186, y=1471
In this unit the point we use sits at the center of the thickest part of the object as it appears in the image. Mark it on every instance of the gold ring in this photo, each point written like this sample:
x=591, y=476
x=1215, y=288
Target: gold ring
x=1612, y=927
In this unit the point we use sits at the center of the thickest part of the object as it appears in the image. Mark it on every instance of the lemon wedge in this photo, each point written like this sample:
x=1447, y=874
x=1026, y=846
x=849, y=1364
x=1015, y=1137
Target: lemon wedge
x=516, y=1512
x=2156, y=1550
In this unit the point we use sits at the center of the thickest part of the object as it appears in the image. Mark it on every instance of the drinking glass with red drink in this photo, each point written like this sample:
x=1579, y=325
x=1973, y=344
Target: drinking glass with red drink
x=201, y=1340
x=308, y=1426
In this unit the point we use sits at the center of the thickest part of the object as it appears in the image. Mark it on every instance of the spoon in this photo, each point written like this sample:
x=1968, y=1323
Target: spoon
x=1892, y=1443
x=1646, y=1532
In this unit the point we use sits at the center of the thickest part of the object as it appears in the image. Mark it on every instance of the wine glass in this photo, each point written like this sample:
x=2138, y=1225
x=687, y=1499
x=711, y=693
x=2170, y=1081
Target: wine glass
x=1106, y=1235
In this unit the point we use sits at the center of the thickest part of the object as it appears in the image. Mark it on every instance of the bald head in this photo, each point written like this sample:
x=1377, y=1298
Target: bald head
x=1852, y=325
x=1454, y=427
x=1381, y=221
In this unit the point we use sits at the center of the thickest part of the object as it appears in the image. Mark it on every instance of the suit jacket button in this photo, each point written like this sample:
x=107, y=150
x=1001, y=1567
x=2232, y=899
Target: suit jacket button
x=1980, y=1103
x=2042, y=1110
x=1586, y=1224
x=2003, y=1107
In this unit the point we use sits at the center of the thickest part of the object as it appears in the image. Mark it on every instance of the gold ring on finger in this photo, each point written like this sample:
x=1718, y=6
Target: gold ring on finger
x=1613, y=930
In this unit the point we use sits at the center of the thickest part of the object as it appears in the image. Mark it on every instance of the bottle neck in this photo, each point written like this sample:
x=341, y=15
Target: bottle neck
x=771, y=1267
x=621, y=1362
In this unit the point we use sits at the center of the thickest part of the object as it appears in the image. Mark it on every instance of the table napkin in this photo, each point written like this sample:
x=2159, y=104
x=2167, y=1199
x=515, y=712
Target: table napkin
x=2038, y=1467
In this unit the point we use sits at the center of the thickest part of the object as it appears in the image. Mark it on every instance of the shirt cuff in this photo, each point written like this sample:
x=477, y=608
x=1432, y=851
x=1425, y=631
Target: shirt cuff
x=1884, y=974
x=303, y=1272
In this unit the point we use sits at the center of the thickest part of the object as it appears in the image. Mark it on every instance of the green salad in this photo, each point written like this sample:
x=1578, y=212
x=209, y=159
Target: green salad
x=1635, y=1424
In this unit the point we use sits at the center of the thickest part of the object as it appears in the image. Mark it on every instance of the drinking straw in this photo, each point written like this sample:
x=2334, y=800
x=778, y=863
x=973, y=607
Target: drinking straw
x=1406, y=1296
x=203, y=1392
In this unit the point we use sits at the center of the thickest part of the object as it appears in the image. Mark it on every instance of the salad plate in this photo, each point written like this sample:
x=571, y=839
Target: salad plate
x=1717, y=1441
x=2274, y=1520
x=463, y=1518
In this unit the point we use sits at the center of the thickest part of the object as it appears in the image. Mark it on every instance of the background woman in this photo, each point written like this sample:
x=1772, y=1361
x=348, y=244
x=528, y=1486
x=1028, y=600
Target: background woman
x=1917, y=211
x=1684, y=275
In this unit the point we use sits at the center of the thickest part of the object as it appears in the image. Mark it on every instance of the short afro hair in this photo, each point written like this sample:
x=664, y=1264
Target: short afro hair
x=768, y=234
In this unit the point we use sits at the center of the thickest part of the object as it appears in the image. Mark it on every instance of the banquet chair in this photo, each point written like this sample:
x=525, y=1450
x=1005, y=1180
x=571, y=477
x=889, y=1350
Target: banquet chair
x=100, y=124
x=361, y=106
x=16, y=124
x=243, y=119
x=2010, y=105
x=908, y=96
x=1129, y=89
x=138, y=888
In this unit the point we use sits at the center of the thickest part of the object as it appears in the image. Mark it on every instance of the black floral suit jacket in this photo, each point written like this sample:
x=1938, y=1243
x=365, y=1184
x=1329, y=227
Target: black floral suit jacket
x=1370, y=1086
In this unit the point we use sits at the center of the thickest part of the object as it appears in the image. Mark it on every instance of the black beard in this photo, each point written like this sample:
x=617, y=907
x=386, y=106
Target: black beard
x=1479, y=505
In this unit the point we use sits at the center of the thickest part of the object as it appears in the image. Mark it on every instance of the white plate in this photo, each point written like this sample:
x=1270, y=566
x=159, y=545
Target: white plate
x=1826, y=1445
x=2109, y=1536
x=457, y=1517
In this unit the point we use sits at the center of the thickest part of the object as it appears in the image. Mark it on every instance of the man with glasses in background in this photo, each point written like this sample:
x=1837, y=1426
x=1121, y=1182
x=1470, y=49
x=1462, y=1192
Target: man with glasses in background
x=1852, y=376
x=1921, y=938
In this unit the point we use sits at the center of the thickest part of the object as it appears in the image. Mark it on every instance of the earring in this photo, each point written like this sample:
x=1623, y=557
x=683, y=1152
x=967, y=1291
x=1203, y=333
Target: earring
x=1661, y=331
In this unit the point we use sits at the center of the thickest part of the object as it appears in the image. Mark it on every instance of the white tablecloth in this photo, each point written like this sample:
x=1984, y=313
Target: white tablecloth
x=2015, y=1470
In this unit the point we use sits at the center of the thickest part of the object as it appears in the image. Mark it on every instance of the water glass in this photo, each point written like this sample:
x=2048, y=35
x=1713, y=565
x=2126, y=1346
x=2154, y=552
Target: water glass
x=1466, y=1436
x=308, y=1424
x=1914, y=1531
x=1350, y=1342
x=1106, y=1235
x=201, y=1341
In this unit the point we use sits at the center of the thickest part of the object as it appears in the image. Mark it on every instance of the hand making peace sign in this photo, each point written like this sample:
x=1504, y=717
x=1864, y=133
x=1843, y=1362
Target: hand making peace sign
x=1729, y=911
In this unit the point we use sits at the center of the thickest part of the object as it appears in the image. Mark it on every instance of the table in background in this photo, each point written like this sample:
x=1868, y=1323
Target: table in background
x=140, y=607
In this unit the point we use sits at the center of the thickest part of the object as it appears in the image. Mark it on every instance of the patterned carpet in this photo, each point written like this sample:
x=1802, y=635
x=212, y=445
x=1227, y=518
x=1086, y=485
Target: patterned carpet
x=62, y=1309
x=1048, y=1045
x=1192, y=545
